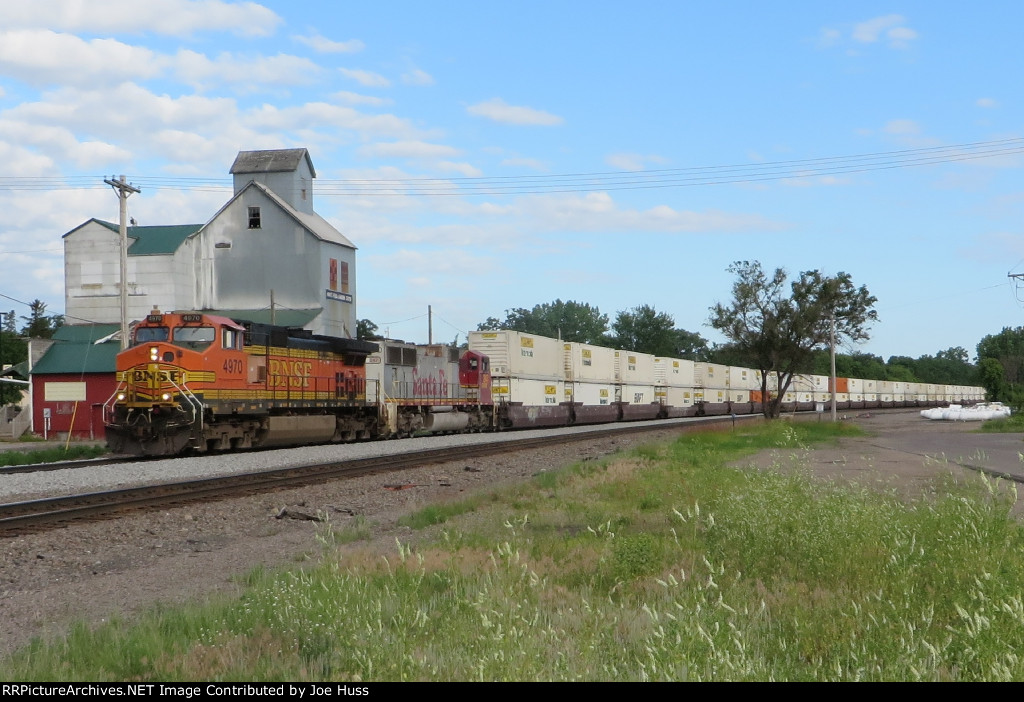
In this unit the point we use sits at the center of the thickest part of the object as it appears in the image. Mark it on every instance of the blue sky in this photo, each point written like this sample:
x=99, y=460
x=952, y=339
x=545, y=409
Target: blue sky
x=469, y=118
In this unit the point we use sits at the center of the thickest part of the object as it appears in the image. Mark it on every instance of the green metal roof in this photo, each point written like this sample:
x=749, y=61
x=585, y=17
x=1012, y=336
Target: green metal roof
x=161, y=239
x=78, y=357
x=18, y=370
x=81, y=333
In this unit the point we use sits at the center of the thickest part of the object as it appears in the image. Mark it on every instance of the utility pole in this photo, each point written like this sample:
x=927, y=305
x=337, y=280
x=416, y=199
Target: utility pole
x=832, y=358
x=123, y=190
x=430, y=325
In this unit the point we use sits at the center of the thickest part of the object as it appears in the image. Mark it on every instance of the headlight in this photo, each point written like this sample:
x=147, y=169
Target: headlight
x=154, y=353
x=121, y=397
x=166, y=397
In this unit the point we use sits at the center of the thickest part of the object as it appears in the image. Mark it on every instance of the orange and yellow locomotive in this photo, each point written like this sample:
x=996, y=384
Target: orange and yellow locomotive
x=200, y=381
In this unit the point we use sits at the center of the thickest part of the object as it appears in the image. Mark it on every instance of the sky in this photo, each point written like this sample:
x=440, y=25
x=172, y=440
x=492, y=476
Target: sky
x=490, y=156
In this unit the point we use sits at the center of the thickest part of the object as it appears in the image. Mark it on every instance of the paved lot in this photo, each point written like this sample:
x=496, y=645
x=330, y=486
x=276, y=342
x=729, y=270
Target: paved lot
x=905, y=451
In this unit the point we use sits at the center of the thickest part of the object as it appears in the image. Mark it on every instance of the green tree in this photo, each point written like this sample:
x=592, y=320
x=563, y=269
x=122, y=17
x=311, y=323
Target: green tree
x=13, y=350
x=570, y=321
x=1007, y=349
x=366, y=330
x=780, y=332
x=646, y=330
x=993, y=379
x=39, y=325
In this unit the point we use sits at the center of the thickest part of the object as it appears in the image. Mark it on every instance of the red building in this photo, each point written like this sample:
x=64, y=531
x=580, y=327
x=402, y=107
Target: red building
x=72, y=381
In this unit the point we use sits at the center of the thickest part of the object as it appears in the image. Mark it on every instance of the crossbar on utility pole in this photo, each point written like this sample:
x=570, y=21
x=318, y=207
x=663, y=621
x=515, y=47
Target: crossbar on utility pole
x=123, y=190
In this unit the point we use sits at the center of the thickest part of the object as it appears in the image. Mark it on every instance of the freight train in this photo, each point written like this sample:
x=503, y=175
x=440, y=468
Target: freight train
x=192, y=381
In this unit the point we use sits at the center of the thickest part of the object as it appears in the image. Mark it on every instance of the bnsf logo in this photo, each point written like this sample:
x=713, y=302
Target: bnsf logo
x=164, y=376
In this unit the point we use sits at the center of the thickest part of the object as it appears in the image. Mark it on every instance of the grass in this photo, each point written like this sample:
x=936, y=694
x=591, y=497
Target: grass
x=659, y=564
x=52, y=455
x=1014, y=424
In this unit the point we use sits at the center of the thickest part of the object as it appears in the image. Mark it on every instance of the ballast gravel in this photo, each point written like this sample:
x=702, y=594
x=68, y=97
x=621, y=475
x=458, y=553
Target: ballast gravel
x=119, y=567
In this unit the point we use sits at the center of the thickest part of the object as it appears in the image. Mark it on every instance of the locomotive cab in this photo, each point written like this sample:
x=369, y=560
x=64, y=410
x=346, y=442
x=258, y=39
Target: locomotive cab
x=475, y=376
x=158, y=404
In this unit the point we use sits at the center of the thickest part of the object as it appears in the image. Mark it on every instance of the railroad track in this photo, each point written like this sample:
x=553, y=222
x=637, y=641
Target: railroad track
x=37, y=515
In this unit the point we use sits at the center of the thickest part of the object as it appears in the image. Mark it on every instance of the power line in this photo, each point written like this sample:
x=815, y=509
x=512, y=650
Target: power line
x=581, y=182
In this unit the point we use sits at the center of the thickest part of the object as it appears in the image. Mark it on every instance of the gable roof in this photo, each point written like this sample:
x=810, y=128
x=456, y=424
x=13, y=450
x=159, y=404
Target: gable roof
x=271, y=161
x=78, y=357
x=313, y=223
x=146, y=241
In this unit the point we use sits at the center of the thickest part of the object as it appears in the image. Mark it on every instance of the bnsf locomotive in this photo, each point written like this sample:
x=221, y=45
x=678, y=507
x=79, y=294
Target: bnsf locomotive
x=199, y=382
x=193, y=381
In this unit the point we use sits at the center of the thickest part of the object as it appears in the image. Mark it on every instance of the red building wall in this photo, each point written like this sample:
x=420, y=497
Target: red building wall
x=82, y=418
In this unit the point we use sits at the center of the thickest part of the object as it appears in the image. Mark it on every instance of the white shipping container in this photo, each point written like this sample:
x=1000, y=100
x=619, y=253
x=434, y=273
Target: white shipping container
x=588, y=362
x=519, y=355
x=743, y=379
x=822, y=391
x=633, y=367
x=739, y=395
x=528, y=391
x=674, y=396
x=710, y=375
x=710, y=395
x=637, y=394
x=587, y=393
x=673, y=372
x=802, y=384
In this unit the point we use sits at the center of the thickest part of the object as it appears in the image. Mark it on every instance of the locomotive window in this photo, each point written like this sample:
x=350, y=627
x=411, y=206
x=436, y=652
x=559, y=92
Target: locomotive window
x=196, y=338
x=144, y=335
x=231, y=339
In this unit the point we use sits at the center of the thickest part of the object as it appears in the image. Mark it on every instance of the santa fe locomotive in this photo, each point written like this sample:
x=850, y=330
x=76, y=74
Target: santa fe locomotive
x=192, y=381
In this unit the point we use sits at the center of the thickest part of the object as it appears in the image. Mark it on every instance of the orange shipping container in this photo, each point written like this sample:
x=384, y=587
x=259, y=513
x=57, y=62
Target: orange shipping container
x=842, y=385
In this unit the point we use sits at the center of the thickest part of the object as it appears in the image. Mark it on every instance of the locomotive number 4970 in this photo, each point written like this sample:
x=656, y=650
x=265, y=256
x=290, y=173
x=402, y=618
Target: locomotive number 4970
x=233, y=366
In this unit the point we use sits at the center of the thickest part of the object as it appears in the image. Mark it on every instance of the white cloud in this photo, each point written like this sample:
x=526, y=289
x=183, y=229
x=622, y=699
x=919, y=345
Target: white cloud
x=165, y=17
x=350, y=98
x=497, y=110
x=987, y=103
x=321, y=114
x=47, y=57
x=829, y=37
x=599, y=212
x=367, y=78
x=408, y=149
x=452, y=260
x=43, y=57
x=417, y=77
x=632, y=162
x=890, y=27
x=464, y=169
x=531, y=163
x=244, y=73
x=61, y=144
x=327, y=46
x=902, y=127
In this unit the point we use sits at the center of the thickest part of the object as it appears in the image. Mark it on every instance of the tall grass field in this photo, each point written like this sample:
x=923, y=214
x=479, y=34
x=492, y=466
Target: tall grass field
x=672, y=562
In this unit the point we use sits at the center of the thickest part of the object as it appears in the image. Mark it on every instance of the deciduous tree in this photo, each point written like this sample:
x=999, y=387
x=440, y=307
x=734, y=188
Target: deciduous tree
x=570, y=321
x=778, y=327
x=646, y=330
